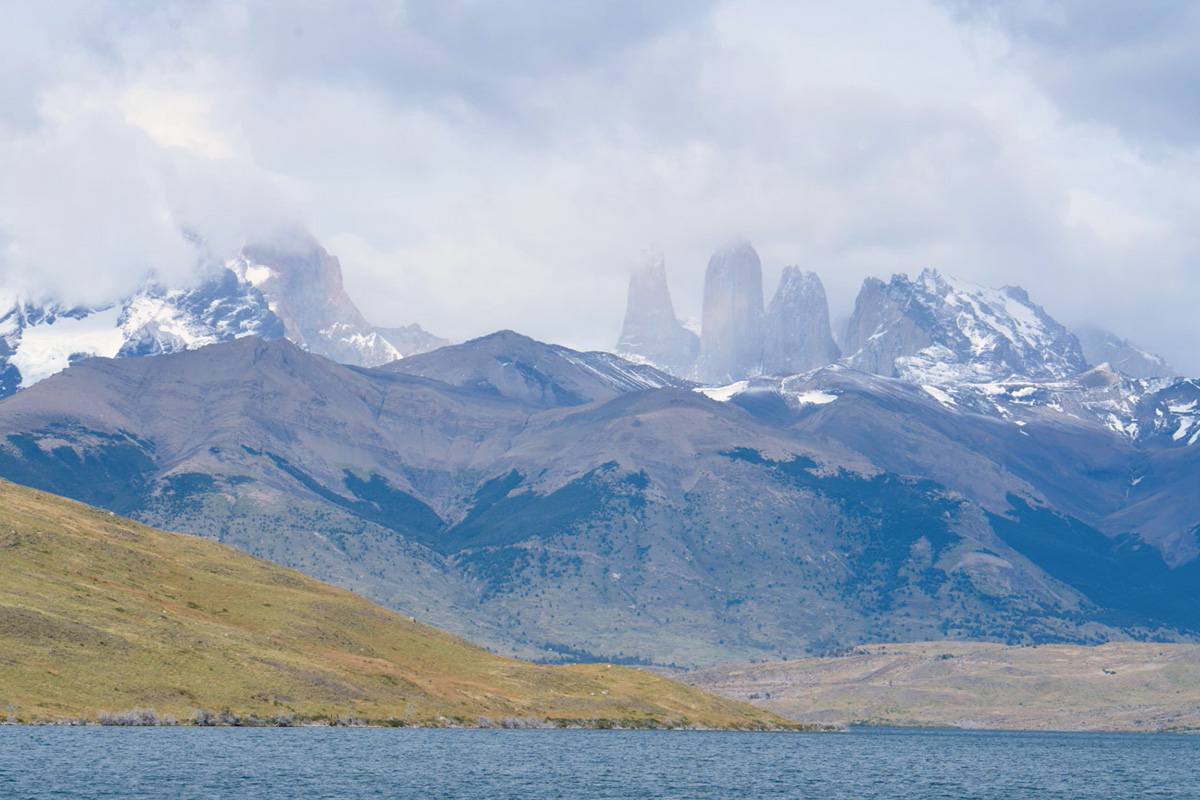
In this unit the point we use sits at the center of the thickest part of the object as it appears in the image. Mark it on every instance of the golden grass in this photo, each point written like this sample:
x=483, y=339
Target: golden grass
x=101, y=613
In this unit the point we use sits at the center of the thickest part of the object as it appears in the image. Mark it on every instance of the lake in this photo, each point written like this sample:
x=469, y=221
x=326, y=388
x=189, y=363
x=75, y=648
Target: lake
x=267, y=763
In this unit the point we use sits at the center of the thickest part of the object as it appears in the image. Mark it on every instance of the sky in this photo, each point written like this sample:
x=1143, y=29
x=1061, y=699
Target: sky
x=488, y=164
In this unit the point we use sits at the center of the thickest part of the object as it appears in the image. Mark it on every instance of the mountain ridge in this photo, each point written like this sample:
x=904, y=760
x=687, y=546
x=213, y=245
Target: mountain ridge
x=635, y=522
x=290, y=290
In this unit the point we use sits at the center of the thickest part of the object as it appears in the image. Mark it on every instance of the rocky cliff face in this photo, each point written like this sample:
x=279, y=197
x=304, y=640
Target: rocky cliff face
x=938, y=330
x=303, y=283
x=1104, y=347
x=652, y=332
x=797, y=337
x=731, y=336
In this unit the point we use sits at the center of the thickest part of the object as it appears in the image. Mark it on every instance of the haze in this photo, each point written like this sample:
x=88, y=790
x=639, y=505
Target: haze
x=479, y=165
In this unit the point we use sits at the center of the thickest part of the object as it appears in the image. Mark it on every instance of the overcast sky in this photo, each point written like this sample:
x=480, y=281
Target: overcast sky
x=483, y=164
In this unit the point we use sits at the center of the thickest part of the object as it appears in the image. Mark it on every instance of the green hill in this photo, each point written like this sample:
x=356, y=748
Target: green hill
x=101, y=613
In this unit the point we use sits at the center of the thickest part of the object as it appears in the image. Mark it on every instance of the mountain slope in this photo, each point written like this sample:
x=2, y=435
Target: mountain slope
x=547, y=503
x=1116, y=453
x=97, y=612
x=509, y=365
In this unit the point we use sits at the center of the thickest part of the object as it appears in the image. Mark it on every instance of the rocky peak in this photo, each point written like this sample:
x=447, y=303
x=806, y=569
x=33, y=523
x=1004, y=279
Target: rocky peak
x=879, y=331
x=291, y=290
x=731, y=337
x=303, y=284
x=796, y=335
x=652, y=333
x=938, y=330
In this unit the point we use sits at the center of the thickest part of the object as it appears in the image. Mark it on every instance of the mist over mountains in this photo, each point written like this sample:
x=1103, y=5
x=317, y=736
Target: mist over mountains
x=290, y=288
x=932, y=330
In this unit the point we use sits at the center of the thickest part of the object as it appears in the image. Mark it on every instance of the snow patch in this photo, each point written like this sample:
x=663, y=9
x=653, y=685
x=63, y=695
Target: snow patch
x=723, y=394
x=814, y=398
x=940, y=395
x=47, y=349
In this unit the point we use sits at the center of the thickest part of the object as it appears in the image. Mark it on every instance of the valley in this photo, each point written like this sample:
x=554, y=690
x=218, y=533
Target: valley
x=1126, y=686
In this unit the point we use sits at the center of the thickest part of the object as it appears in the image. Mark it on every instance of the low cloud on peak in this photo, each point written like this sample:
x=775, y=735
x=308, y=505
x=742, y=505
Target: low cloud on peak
x=479, y=166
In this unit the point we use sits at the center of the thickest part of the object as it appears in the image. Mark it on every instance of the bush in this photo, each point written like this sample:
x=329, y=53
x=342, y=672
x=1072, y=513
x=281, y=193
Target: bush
x=135, y=717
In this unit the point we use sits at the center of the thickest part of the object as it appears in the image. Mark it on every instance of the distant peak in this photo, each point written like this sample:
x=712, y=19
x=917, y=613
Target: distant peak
x=738, y=247
x=651, y=259
x=504, y=336
x=793, y=274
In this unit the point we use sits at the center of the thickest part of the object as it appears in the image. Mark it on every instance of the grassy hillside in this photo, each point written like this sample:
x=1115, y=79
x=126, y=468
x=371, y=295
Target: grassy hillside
x=100, y=613
x=1128, y=686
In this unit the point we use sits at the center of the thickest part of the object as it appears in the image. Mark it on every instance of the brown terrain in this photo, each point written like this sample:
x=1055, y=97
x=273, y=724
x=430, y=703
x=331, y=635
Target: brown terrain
x=1128, y=686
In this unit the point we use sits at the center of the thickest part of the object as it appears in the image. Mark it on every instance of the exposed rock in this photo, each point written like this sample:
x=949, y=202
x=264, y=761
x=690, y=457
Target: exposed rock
x=651, y=332
x=303, y=282
x=797, y=336
x=879, y=332
x=1104, y=347
x=939, y=330
x=731, y=338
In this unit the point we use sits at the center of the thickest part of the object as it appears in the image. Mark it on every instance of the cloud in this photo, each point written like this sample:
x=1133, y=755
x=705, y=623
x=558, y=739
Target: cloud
x=109, y=171
x=480, y=165
x=1131, y=65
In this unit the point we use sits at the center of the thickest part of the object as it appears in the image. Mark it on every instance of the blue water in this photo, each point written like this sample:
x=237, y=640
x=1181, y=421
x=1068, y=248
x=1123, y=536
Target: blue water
x=168, y=763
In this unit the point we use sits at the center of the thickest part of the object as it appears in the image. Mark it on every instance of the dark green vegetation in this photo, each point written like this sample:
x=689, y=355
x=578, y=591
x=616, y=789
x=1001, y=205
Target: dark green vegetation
x=1125, y=576
x=112, y=469
x=98, y=614
x=560, y=505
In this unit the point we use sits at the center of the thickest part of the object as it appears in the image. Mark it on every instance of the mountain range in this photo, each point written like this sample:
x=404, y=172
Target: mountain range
x=956, y=468
x=290, y=289
x=563, y=505
x=934, y=330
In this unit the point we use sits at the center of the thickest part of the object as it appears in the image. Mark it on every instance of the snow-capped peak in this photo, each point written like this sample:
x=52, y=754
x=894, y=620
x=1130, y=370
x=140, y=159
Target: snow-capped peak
x=38, y=341
x=295, y=293
x=939, y=329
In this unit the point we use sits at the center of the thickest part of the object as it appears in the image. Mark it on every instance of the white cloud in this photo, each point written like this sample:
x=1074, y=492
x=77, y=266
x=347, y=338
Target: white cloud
x=479, y=165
